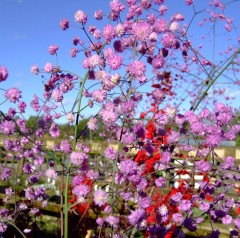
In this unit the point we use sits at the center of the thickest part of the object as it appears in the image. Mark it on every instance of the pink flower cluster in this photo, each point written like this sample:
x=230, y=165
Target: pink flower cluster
x=138, y=65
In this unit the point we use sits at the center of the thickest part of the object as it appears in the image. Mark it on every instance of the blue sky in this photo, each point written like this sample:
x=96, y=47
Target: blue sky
x=29, y=27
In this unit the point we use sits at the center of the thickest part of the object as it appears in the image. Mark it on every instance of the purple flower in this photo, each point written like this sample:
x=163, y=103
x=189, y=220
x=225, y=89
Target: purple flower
x=139, y=130
x=177, y=17
x=136, y=217
x=158, y=62
x=163, y=9
x=174, y=27
x=65, y=147
x=108, y=52
x=203, y=166
x=92, y=61
x=220, y=213
x=92, y=124
x=80, y=17
x=185, y=205
x=227, y=220
x=7, y=127
x=33, y=179
x=228, y=162
x=229, y=203
x=126, y=195
x=144, y=202
x=100, y=221
x=177, y=217
x=29, y=193
x=173, y=137
x=213, y=140
x=160, y=182
x=35, y=104
x=77, y=158
x=234, y=234
x=215, y=234
x=11, y=112
x=81, y=190
x=64, y=24
x=107, y=209
x=128, y=167
x=189, y=224
x=76, y=41
x=108, y=33
x=98, y=14
x=9, y=191
x=108, y=115
x=177, y=197
x=3, y=73
x=120, y=30
x=28, y=168
x=100, y=197
x=161, y=25
x=141, y=184
x=5, y=174
x=141, y=30
x=99, y=95
x=54, y=130
x=166, y=157
x=118, y=46
x=53, y=49
x=116, y=7
x=73, y=52
x=13, y=95
x=51, y=173
x=169, y=41
x=115, y=61
x=93, y=174
x=112, y=220
x=237, y=223
x=22, y=125
x=34, y=211
x=4, y=212
x=78, y=179
x=22, y=106
x=57, y=95
x=3, y=227
x=110, y=153
x=189, y=2
x=34, y=69
x=48, y=67
x=136, y=69
x=40, y=193
x=204, y=206
x=197, y=127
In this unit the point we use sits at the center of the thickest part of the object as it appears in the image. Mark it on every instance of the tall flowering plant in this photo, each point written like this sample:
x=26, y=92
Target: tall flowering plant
x=135, y=67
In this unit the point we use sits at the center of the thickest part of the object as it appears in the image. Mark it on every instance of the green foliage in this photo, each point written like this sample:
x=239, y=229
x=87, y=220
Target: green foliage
x=32, y=123
x=66, y=129
x=238, y=140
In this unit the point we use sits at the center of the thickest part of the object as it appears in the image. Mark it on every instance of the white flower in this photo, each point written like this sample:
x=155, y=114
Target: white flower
x=163, y=210
x=27, y=230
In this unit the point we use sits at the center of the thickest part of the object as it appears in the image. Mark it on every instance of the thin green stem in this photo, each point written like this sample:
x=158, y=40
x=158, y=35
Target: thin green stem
x=12, y=224
x=66, y=208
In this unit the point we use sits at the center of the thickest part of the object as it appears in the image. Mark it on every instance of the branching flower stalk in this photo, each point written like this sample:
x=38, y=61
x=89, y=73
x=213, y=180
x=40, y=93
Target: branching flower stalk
x=211, y=83
x=142, y=68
